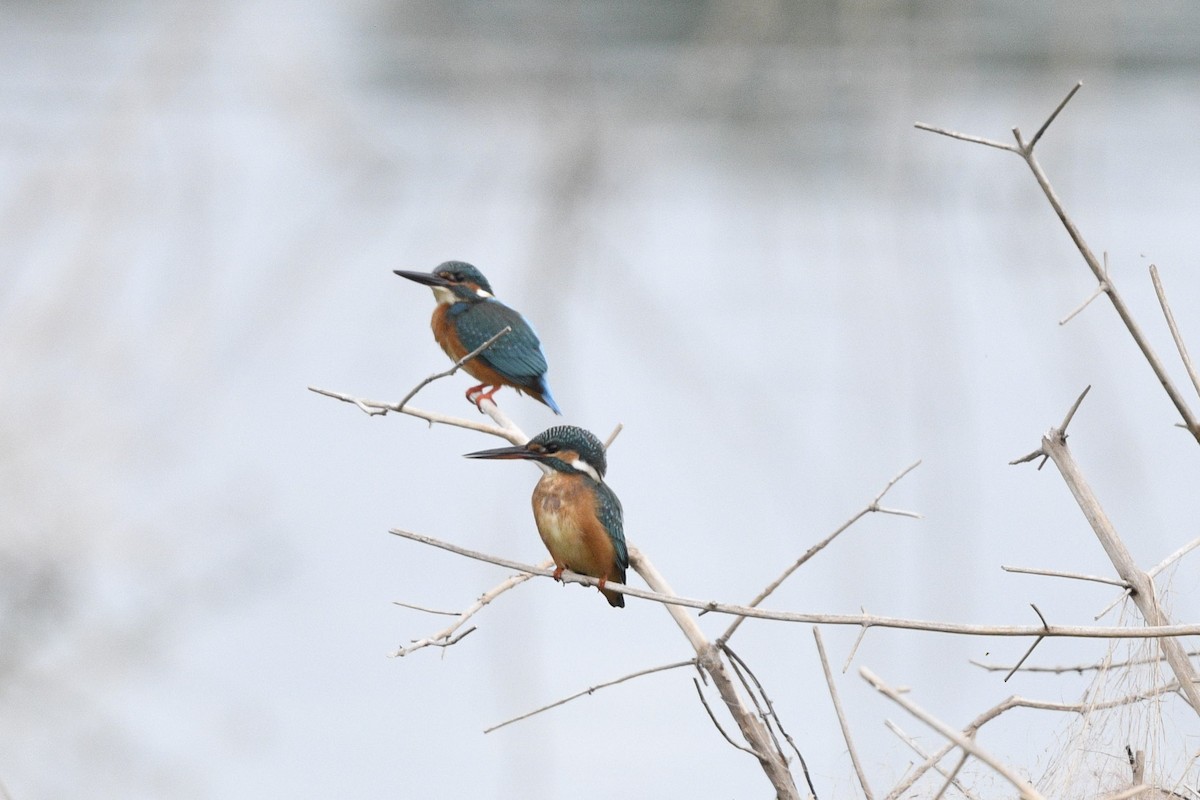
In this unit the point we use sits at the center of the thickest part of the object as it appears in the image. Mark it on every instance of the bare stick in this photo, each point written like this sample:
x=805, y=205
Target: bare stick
x=1078, y=668
x=1028, y=652
x=1155, y=570
x=427, y=610
x=713, y=717
x=1055, y=445
x=1101, y=288
x=1125, y=794
x=591, y=690
x=1179, y=345
x=965, y=137
x=446, y=636
x=841, y=715
x=857, y=641
x=916, y=748
x=966, y=743
x=673, y=601
x=952, y=778
x=819, y=546
x=1026, y=151
x=1021, y=702
x=457, y=366
x=373, y=407
x=612, y=436
x=1072, y=575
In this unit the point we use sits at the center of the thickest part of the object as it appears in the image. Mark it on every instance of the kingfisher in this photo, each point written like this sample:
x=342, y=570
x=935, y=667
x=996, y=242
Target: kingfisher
x=467, y=315
x=578, y=516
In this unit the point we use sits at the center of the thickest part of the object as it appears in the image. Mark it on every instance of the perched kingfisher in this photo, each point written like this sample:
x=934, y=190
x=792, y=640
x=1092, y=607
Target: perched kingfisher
x=578, y=516
x=467, y=315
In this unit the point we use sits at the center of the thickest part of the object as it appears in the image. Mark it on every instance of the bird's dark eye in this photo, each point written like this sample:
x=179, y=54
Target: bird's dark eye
x=550, y=448
x=453, y=277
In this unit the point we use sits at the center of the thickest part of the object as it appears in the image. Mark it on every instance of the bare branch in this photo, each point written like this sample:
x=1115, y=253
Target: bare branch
x=612, y=436
x=427, y=610
x=916, y=748
x=1179, y=345
x=446, y=636
x=841, y=715
x=965, y=137
x=857, y=641
x=1028, y=652
x=1078, y=668
x=380, y=407
x=1021, y=702
x=1155, y=570
x=591, y=690
x=457, y=366
x=1072, y=575
x=1054, y=115
x=1142, y=584
x=1062, y=429
x=952, y=778
x=713, y=717
x=1101, y=288
x=966, y=743
x=819, y=546
x=643, y=566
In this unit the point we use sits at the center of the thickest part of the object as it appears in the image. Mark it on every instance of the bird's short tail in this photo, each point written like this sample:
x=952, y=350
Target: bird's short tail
x=545, y=396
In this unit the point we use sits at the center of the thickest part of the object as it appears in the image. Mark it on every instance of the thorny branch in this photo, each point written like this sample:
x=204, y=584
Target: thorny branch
x=1026, y=151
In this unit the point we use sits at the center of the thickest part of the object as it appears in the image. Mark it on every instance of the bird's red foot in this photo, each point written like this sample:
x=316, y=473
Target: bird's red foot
x=557, y=574
x=476, y=395
x=603, y=580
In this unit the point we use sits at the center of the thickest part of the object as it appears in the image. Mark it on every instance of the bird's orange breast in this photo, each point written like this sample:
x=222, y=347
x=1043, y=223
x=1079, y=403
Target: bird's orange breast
x=447, y=338
x=564, y=507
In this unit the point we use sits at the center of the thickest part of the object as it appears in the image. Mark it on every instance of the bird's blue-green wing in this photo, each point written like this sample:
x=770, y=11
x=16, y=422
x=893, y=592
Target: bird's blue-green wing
x=613, y=518
x=517, y=354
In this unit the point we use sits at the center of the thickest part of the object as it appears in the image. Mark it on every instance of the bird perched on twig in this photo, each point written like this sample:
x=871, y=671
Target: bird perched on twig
x=578, y=516
x=467, y=315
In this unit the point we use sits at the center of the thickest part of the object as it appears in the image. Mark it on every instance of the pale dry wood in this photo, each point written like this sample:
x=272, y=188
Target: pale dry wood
x=916, y=748
x=673, y=601
x=841, y=715
x=591, y=690
x=1154, y=571
x=968, y=744
x=871, y=507
x=1026, y=151
x=1054, y=445
x=1174, y=328
x=1071, y=575
x=1077, y=668
x=1009, y=704
x=507, y=329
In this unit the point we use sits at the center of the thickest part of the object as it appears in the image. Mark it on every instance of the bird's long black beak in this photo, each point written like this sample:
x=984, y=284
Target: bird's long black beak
x=520, y=451
x=426, y=278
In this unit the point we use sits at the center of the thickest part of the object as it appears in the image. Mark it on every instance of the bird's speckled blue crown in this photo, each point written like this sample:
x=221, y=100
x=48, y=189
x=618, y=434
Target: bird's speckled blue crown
x=569, y=437
x=467, y=273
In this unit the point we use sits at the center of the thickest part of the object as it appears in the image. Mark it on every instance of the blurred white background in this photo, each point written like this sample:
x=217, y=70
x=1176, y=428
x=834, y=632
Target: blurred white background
x=731, y=239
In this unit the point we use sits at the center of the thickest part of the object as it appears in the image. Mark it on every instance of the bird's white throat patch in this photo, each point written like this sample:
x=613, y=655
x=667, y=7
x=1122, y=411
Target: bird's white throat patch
x=443, y=295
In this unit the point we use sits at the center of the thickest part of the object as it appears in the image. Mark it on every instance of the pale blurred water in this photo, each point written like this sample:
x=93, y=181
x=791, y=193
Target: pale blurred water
x=731, y=240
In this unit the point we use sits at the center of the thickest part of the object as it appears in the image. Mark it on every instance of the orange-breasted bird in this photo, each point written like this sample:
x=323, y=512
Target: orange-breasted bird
x=467, y=315
x=578, y=516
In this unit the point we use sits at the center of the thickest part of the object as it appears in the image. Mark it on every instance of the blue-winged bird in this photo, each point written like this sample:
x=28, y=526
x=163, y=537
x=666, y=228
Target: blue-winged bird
x=578, y=516
x=467, y=315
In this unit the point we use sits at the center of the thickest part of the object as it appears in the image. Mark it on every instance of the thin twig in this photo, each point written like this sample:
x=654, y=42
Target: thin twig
x=1028, y=652
x=457, y=366
x=819, y=546
x=916, y=748
x=373, y=407
x=446, y=636
x=1101, y=288
x=1155, y=570
x=841, y=715
x=1078, y=668
x=713, y=717
x=1062, y=429
x=1149, y=632
x=1179, y=345
x=965, y=137
x=612, y=436
x=966, y=743
x=1054, y=443
x=857, y=641
x=1020, y=702
x=427, y=610
x=1072, y=575
x=1026, y=151
x=591, y=690
x=952, y=778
